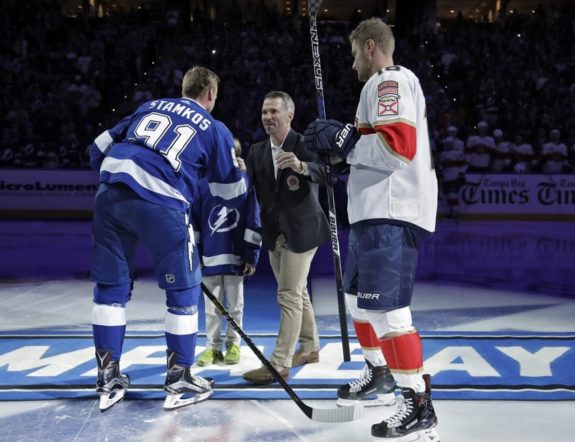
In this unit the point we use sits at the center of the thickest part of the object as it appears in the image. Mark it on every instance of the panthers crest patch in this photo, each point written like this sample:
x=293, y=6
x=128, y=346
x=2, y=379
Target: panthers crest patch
x=388, y=98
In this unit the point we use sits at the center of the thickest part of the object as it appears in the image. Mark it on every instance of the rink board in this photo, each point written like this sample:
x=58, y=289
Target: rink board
x=515, y=366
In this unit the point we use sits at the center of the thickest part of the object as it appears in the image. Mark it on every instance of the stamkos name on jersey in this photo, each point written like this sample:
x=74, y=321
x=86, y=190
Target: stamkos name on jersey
x=183, y=111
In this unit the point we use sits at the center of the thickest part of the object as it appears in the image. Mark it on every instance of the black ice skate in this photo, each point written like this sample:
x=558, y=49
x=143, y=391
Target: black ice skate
x=183, y=387
x=374, y=387
x=415, y=414
x=111, y=384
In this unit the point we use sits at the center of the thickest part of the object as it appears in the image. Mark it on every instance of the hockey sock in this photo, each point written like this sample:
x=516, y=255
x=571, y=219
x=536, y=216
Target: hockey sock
x=369, y=343
x=405, y=359
x=109, y=328
x=181, y=333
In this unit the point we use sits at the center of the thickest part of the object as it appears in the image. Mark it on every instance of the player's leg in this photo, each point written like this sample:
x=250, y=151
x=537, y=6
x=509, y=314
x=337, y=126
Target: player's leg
x=385, y=288
x=234, y=288
x=375, y=385
x=183, y=387
x=169, y=239
x=112, y=256
x=213, y=352
x=402, y=346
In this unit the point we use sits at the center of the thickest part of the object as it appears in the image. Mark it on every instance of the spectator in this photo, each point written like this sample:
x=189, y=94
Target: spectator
x=458, y=143
x=479, y=149
x=554, y=154
x=524, y=156
x=502, y=157
x=453, y=167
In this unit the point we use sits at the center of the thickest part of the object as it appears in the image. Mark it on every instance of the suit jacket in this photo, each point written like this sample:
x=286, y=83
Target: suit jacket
x=289, y=204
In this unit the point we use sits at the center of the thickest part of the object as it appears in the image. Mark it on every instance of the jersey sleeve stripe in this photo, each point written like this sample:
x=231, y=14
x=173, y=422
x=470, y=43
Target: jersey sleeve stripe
x=399, y=137
x=228, y=191
x=253, y=237
x=104, y=141
x=365, y=129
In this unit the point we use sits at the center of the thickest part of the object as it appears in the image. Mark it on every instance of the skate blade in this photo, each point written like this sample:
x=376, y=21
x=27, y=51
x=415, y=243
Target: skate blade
x=385, y=400
x=428, y=435
x=109, y=400
x=179, y=400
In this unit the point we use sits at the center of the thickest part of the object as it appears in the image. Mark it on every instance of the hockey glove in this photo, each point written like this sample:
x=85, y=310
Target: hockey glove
x=331, y=136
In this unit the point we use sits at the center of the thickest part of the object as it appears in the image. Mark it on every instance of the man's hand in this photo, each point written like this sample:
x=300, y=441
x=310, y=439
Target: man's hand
x=286, y=160
x=331, y=136
x=241, y=163
x=248, y=269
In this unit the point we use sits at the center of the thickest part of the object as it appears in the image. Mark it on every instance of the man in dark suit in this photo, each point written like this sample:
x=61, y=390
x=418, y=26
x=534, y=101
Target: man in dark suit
x=286, y=180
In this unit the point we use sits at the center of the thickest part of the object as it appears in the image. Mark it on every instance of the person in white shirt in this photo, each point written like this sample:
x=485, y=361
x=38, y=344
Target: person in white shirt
x=479, y=149
x=453, y=168
x=554, y=154
x=524, y=155
x=502, y=154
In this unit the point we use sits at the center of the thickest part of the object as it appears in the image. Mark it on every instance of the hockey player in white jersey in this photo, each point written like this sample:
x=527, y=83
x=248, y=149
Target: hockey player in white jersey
x=392, y=205
x=149, y=164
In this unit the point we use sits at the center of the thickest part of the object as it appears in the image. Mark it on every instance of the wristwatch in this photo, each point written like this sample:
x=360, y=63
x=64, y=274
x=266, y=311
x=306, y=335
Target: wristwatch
x=303, y=168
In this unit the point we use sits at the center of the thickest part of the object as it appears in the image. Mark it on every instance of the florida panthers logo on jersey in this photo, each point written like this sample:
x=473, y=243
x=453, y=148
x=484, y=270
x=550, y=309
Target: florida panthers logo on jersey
x=223, y=219
x=388, y=98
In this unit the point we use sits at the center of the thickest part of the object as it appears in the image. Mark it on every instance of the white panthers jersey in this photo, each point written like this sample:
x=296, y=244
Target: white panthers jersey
x=392, y=175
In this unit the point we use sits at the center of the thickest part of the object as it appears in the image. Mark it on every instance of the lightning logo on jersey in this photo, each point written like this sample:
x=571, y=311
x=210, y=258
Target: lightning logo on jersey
x=222, y=219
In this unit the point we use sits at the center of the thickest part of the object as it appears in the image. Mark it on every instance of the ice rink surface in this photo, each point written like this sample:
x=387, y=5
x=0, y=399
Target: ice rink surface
x=63, y=303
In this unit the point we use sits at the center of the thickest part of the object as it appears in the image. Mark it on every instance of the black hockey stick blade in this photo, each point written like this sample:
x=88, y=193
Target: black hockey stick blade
x=340, y=414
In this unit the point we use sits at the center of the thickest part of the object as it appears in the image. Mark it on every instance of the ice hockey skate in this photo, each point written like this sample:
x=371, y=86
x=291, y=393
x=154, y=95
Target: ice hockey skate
x=374, y=387
x=111, y=384
x=183, y=387
x=415, y=417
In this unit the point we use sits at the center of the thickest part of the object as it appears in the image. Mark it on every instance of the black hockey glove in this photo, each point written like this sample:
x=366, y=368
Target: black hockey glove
x=331, y=136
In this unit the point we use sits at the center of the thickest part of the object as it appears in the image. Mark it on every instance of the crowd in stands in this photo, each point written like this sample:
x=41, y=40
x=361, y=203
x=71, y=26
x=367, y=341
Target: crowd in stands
x=500, y=96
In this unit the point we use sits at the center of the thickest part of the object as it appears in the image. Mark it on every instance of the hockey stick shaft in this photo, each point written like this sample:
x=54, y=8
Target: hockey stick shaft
x=313, y=10
x=343, y=414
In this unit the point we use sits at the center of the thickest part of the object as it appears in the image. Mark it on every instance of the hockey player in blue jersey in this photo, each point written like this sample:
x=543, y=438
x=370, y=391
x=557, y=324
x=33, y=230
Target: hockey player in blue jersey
x=149, y=165
x=229, y=241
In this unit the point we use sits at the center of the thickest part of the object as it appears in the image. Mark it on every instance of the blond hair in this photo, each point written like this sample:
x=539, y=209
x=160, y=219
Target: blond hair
x=238, y=147
x=196, y=80
x=378, y=31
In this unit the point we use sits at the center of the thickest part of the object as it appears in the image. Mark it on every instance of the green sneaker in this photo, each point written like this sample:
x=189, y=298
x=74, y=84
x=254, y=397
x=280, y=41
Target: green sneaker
x=209, y=356
x=232, y=354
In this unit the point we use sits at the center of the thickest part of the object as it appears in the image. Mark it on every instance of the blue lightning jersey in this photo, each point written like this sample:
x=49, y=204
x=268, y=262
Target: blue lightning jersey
x=160, y=150
x=226, y=237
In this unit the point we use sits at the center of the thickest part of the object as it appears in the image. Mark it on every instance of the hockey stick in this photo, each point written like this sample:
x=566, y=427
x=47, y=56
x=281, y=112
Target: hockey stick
x=313, y=10
x=342, y=414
